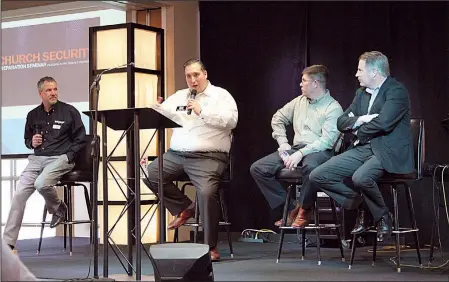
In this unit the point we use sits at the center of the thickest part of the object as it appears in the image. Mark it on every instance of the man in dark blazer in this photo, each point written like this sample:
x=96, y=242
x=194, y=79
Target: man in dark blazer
x=379, y=117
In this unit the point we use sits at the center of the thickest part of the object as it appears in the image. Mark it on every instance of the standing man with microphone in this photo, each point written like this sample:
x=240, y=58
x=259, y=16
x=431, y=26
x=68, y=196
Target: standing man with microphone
x=55, y=132
x=200, y=148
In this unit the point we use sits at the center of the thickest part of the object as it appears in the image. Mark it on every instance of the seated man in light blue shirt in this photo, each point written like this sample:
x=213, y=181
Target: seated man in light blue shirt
x=314, y=117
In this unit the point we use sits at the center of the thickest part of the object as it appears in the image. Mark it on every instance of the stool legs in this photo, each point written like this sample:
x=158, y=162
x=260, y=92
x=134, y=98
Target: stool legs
x=183, y=190
x=396, y=231
x=69, y=217
x=338, y=229
x=354, y=240
x=374, y=249
x=434, y=226
x=65, y=225
x=411, y=211
x=303, y=243
x=317, y=232
x=303, y=230
x=353, y=247
x=89, y=211
x=44, y=217
x=224, y=212
x=197, y=219
x=396, y=228
x=284, y=222
x=175, y=236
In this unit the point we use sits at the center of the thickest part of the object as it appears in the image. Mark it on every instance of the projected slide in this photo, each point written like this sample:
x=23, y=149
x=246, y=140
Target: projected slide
x=60, y=50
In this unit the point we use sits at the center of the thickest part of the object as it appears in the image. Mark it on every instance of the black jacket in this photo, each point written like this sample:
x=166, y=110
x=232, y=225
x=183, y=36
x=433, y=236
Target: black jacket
x=389, y=133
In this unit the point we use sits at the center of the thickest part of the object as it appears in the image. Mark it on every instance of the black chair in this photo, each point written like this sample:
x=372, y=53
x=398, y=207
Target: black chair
x=395, y=181
x=83, y=172
x=294, y=178
x=225, y=178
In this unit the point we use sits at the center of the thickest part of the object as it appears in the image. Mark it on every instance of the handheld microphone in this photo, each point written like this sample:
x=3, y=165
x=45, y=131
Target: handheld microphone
x=37, y=129
x=192, y=96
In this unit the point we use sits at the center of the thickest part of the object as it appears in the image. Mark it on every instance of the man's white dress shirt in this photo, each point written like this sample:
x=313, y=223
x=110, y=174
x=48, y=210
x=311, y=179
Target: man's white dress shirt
x=208, y=132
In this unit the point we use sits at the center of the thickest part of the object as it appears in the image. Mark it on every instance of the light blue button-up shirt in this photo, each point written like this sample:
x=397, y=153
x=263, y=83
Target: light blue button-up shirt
x=314, y=123
x=373, y=93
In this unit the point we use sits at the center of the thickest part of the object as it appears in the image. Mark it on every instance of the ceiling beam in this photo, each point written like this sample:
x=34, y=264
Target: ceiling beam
x=8, y=5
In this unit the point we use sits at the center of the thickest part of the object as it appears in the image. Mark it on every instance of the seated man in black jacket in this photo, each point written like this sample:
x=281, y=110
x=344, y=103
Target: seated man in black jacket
x=379, y=116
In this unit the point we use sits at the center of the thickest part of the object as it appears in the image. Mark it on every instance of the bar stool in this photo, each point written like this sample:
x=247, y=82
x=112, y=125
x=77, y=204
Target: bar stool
x=83, y=172
x=196, y=223
x=394, y=181
x=293, y=178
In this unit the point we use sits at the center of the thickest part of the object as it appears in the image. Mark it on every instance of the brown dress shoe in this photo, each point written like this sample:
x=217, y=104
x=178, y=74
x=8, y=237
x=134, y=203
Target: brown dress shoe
x=290, y=217
x=181, y=218
x=301, y=219
x=214, y=254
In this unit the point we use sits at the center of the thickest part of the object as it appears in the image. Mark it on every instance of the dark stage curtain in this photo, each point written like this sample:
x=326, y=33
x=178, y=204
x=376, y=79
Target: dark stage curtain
x=257, y=51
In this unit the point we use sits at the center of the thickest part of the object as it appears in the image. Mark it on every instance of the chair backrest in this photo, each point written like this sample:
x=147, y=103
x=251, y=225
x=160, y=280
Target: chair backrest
x=342, y=143
x=84, y=160
x=228, y=174
x=338, y=144
x=418, y=139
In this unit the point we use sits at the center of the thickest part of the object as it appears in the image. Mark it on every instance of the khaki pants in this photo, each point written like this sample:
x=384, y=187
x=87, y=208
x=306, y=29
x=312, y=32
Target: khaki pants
x=41, y=174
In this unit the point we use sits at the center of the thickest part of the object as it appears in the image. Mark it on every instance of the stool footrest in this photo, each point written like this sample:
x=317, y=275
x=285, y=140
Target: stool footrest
x=401, y=230
x=193, y=224
x=68, y=222
x=76, y=222
x=313, y=226
x=405, y=230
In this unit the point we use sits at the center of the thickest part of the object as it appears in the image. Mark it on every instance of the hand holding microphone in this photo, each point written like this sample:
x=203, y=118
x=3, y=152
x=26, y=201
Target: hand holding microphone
x=36, y=141
x=192, y=104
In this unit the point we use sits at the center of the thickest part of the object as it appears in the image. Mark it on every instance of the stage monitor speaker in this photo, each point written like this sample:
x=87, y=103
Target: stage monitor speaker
x=181, y=262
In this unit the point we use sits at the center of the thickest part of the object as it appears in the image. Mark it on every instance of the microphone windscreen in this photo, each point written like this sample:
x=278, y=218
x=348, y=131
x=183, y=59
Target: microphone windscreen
x=37, y=128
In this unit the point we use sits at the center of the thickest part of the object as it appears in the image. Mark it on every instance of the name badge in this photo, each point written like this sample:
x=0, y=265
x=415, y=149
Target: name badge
x=56, y=126
x=181, y=108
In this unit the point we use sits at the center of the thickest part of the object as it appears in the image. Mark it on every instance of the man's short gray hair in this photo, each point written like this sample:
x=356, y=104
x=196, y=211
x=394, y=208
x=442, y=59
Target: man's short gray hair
x=40, y=83
x=376, y=60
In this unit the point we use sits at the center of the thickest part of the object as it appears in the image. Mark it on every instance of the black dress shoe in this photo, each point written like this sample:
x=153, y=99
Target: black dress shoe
x=385, y=226
x=59, y=215
x=360, y=225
